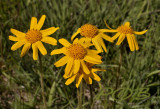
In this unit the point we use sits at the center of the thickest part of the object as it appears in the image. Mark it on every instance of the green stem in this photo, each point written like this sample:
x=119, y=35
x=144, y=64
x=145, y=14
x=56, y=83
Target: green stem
x=118, y=73
x=79, y=94
x=41, y=80
x=90, y=86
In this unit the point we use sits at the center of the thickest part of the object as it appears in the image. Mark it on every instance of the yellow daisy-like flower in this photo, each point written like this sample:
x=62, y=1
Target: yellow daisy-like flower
x=75, y=56
x=126, y=31
x=92, y=34
x=33, y=37
x=81, y=74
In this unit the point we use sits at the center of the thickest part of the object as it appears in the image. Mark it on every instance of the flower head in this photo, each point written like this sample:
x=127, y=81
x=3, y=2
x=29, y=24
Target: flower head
x=76, y=55
x=33, y=37
x=126, y=31
x=81, y=74
x=92, y=34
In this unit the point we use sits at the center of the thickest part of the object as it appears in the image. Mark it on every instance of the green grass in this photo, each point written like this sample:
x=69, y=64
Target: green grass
x=139, y=86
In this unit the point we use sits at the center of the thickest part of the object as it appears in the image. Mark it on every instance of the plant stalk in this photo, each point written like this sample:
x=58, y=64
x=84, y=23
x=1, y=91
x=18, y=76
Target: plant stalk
x=118, y=72
x=80, y=93
x=41, y=80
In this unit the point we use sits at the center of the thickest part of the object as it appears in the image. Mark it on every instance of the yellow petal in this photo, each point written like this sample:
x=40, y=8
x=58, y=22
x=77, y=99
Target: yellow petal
x=17, y=45
x=78, y=79
x=49, y=40
x=135, y=42
x=76, y=66
x=107, y=30
x=59, y=51
x=75, y=34
x=69, y=66
x=75, y=41
x=116, y=36
x=70, y=80
x=97, y=45
x=17, y=33
x=35, y=51
x=25, y=49
x=33, y=22
x=61, y=62
x=127, y=24
x=12, y=38
x=107, y=24
x=140, y=33
x=64, y=42
x=120, y=39
x=106, y=37
x=41, y=48
x=95, y=76
x=41, y=22
x=84, y=67
x=92, y=59
x=102, y=44
x=49, y=31
x=130, y=42
x=89, y=51
x=87, y=79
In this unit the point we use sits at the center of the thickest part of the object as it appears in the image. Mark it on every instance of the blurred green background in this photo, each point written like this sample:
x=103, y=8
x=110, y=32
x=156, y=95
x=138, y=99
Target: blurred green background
x=139, y=86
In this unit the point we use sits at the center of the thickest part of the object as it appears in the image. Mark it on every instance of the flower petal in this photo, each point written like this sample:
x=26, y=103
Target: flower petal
x=17, y=45
x=35, y=51
x=76, y=66
x=106, y=37
x=97, y=45
x=69, y=66
x=75, y=34
x=140, y=33
x=116, y=36
x=70, y=80
x=107, y=30
x=59, y=51
x=135, y=42
x=33, y=23
x=78, y=79
x=127, y=24
x=49, y=40
x=41, y=48
x=130, y=42
x=25, y=49
x=120, y=39
x=95, y=76
x=61, y=62
x=92, y=59
x=84, y=67
x=102, y=44
x=17, y=33
x=49, y=31
x=12, y=38
x=41, y=22
x=64, y=42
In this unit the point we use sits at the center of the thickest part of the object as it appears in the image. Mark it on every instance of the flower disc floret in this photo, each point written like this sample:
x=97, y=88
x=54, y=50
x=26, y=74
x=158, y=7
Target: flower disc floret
x=125, y=29
x=89, y=31
x=76, y=51
x=33, y=36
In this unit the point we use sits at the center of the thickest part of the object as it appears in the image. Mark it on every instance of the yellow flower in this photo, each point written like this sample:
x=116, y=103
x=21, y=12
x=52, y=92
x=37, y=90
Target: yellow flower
x=81, y=74
x=75, y=56
x=92, y=34
x=126, y=31
x=33, y=37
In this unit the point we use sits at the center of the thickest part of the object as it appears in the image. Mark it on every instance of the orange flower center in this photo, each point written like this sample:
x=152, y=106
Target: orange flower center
x=33, y=36
x=125, y=29
x=77, y=51
x=89, y=31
